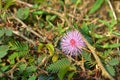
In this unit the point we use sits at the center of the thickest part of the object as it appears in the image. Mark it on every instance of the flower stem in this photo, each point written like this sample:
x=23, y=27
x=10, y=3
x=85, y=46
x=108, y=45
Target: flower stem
x=106, y=74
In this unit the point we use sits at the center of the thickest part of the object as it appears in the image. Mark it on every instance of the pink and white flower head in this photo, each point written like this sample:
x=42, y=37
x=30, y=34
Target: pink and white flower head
x=72, y=43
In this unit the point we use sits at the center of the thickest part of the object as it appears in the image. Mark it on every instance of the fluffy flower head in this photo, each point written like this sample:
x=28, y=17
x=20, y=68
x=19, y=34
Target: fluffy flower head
x=72, y=43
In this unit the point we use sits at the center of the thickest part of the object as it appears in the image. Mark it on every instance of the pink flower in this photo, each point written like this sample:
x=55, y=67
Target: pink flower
x=72, y=43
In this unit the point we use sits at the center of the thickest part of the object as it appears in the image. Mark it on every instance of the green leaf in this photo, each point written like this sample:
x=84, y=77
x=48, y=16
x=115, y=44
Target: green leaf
x=50, y=47
x=21, y=48
x=104, y=22
x=60, y=29
x=38, y=1
x=111, y=14
x=12, y=57
x=50, y=17
x=110, y=69
x=40, y=12
x=114, y=62
x=107, y=45
x=89, y=64
x=7, y=5
x=73, y=1
x=106, y=53
x=85, y=28
x=3, y=50
x=85, y=31
x=4, y=68
x=2, y=31
x=39, y=59
x=116, y=33
x=86, y=56
x=110, y=25
x=55, y=57
x=62, y=72
x=31, y=69
x=8, y=32
x=56, y=66
x=96, y=6
x=98, y=36
x=70, y=75
x=32, y=78
x=23, y=13
x=78, y=2
x=22, y=67
x=40, y=46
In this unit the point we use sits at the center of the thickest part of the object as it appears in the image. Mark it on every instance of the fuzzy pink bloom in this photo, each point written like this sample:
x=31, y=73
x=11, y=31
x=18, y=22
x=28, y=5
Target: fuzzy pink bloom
x=72, y=43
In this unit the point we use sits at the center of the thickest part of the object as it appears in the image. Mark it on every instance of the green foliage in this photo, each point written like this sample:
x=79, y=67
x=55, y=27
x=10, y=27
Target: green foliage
x=3, y=51
x=12, y=58
x=89, y=63
x=56, y=66
x=32, y=78
x=39, y=59
x=5, y=31
x=110, y=26
x=4, y=68
x=96, y=6
x=106, y=53
x=8, y=3
x=70, y=75
x=45, y=77
x=20, y=49
x=25, y=71
x=86, y=56
x=2, y=32
x=116, y=33
x=62, y=72
x=85, y=28
x=39, y=12
x=107, y=45
x=60, y=29
x=50, y=17
x=85, y=31
x=76, y=2
x=31, y=69
x=50, y=48
x=45, y=59
x=110, y=69
x=55, y=57
x=23, y=13
x=8, y=32
x=38, y=1
x=22, y=67
x=40, y=46
x=113, y=62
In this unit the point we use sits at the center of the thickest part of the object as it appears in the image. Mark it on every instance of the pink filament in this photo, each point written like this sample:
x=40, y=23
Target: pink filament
x=72, y=42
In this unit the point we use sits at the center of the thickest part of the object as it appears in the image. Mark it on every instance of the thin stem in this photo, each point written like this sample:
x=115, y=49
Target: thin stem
x=25, y=26
x=98, y=60
x=111, y=7
x=24, y=3
x=21, y=35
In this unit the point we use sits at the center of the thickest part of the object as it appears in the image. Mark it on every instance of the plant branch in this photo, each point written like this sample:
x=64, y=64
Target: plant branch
x=111, y=7
x=10, y=72
x=24, y=3
x=106, y=74
x=61, y=15
x=25, y=26
x=21, y=35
